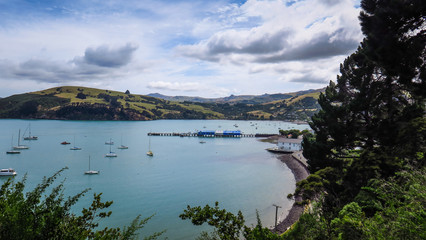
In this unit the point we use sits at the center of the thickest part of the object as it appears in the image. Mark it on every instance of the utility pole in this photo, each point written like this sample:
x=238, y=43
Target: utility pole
x=276, y=213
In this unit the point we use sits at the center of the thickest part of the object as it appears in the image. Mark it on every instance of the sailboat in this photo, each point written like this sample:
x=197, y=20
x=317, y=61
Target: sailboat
x=110, y=154
x=110, y=142
x=75, y=148
x=122, y=146
x=12, y=151
x=29, y=134
x=90, y=172
x=19, y=147
x=149, y=153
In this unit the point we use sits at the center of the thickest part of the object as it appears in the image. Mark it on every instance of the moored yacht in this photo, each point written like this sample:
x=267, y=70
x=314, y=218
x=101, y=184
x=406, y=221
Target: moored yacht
x=91, y=172
x=20, y=147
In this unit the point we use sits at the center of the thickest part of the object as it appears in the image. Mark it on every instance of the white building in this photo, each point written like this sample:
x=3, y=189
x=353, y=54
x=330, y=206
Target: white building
x=289, y=144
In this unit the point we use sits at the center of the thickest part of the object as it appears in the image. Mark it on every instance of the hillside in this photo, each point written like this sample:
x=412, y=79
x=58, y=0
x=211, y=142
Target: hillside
x=80, y=103
x=233, y=99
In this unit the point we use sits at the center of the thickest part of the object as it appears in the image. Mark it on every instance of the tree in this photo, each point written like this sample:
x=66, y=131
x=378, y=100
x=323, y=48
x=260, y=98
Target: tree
x=34, y=216
x=29, y=108
x=361, y=131
x=227, y=225
x=81, y=95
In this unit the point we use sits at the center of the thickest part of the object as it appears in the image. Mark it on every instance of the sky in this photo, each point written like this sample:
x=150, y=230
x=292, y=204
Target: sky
x=175, y=47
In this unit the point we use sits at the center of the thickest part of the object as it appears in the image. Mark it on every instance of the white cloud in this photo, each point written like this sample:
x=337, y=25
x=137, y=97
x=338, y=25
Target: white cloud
x=175, y=86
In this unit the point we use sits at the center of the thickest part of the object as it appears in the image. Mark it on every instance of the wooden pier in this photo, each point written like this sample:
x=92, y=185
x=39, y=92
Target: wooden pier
x=195, y=134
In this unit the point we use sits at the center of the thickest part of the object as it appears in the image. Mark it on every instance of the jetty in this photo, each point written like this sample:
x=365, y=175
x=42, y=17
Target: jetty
x=212, y=134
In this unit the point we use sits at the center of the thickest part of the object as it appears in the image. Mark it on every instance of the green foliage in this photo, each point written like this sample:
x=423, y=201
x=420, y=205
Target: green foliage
x=295, y=133
x=399, y=212
x=349, y=224
x=227, y=225
x=34, y=215
x=81, y=95
x=371, y=121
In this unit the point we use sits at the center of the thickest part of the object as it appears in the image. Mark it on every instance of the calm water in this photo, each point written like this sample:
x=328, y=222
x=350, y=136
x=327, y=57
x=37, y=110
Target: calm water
x=238, y=173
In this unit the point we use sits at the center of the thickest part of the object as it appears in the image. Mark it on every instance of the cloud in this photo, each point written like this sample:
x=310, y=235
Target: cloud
x=99, y=63
x=308, y=78
x=319, y=47
x=104, y=56
x=286, y=36
x=175, y=86
x=330, y=2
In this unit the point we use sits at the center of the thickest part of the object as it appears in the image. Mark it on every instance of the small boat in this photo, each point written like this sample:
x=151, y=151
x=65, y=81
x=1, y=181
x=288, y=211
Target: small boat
x=110, y=154
x=122, y=146
x=202, y=141
x=29, y=134
x=65, y=143
x=20, y=147
x=7, y=172
x=110, y=142
x=75, y=148
x=12, y=151
x=90, y=172
x=149, y=153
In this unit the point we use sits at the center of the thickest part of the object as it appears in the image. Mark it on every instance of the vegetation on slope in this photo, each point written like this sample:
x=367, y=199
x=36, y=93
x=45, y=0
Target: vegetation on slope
x=79, y=103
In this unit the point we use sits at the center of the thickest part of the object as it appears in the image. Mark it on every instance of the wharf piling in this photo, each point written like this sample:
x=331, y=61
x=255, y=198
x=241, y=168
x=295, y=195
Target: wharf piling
x=198, y=134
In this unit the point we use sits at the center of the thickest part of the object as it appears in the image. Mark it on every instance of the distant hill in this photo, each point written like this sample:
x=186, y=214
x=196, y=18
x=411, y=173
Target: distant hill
x=248, y=99
x=81, y=103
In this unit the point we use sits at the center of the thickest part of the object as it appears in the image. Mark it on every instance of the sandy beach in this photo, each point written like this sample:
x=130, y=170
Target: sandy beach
x=300, y=172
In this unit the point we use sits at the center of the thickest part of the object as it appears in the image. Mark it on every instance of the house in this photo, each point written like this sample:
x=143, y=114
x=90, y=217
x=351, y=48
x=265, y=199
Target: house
x=289, y=144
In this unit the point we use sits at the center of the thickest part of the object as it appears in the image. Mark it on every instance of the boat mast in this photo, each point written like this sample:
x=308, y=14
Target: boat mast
x=110, y=145
x=19, y=136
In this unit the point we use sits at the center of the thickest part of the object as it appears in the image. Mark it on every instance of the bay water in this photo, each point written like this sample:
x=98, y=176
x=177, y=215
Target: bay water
x=237, y=172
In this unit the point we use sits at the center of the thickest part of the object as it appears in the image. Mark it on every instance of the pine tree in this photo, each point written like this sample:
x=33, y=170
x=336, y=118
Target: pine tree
x=372, y=121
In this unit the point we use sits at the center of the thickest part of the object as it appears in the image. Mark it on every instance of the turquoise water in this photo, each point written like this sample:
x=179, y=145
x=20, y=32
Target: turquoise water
x=238, y=173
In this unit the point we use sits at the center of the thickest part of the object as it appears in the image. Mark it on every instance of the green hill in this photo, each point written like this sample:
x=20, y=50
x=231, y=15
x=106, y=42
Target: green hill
x=81, y=103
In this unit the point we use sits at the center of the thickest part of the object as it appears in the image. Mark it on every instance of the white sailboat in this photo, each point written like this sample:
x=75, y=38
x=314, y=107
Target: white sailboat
x=12, y=151
x=29, y=134
x=90, y=172
x=110, y=154
x=149, y=153
x=110, y=142
x=122, y=146
x=75, y=148
x=20, y=147
x=7, y=172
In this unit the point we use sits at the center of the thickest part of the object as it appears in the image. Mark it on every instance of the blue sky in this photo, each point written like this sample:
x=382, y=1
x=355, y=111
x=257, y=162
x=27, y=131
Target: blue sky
x=184, y=47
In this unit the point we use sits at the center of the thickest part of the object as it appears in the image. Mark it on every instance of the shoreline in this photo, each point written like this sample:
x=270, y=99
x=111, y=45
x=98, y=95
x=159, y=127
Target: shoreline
x=300, y=172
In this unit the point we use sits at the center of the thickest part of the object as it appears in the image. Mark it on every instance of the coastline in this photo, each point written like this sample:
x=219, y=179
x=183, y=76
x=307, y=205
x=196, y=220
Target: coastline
x=300, y=172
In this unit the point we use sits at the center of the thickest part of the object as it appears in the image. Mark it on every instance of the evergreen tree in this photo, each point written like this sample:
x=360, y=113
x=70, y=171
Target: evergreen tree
x=372, y=121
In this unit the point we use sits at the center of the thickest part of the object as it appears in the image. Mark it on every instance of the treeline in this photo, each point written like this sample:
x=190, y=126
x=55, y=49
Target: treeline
x=301, y=110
